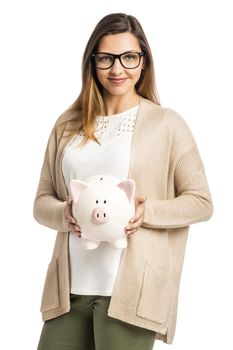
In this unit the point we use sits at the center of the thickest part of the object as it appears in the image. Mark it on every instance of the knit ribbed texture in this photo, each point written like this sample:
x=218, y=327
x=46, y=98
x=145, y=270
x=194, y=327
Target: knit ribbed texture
x=167, y=169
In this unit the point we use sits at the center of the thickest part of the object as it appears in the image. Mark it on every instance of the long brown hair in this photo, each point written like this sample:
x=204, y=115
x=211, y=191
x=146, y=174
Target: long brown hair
x=90, y=102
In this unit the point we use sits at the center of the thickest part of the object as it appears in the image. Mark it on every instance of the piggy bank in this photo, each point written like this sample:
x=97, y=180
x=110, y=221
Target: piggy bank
x=103, y=206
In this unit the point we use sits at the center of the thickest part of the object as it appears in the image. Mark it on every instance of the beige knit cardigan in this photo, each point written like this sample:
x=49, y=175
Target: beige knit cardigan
x=167, y=168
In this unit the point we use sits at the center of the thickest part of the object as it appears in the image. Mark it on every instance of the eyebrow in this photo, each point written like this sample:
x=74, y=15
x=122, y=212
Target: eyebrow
x=110, y=53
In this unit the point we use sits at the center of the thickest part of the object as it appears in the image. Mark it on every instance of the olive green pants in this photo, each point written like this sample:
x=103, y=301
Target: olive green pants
x=88, y=327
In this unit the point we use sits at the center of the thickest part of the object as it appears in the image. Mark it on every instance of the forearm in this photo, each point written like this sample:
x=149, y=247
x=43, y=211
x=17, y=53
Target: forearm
x=182, y=211
x=50, y=212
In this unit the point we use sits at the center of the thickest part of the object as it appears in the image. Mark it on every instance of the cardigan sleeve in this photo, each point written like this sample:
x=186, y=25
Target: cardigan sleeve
x=192, y=201
x=48, y=210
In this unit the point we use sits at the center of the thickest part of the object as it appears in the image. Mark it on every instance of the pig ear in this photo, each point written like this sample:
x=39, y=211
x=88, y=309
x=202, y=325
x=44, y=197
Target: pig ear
x=76, y=187
x=128, y=187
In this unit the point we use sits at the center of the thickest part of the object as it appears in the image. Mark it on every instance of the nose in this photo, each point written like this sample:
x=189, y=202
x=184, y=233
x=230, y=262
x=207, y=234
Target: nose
x=117, y=67
x=99, y=216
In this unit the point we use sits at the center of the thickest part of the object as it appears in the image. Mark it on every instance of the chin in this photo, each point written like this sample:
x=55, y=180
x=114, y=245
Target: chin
x=118, y=91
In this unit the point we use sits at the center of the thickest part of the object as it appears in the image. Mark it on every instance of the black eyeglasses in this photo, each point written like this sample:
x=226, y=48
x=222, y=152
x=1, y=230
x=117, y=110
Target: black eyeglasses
x=129, y=59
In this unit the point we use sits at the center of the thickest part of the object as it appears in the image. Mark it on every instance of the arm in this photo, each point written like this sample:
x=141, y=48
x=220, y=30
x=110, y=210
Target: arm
x=192, y=202
x=48, y=210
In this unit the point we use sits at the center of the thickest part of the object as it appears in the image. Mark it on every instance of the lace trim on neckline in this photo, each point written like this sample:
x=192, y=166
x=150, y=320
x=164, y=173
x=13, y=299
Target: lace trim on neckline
x=127, y=112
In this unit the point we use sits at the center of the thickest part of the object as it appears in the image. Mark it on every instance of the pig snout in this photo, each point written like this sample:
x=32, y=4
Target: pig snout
x=99, y=216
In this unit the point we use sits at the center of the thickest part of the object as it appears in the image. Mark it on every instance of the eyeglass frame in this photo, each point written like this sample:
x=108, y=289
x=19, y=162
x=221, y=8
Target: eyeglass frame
x=141, y=54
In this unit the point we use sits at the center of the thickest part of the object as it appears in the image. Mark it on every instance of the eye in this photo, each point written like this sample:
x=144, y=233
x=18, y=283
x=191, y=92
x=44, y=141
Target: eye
x=105, y=201
x=130, y=57
x=97, y=201
x=103, y=58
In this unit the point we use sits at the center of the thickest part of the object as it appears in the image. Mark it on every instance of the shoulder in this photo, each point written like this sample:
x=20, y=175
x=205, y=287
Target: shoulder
x=168, y=121
x=60, y=127
x=167, y=116
x=66, y=116
x=64, y=124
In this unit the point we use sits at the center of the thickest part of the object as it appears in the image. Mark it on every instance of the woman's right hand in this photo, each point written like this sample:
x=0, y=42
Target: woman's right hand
x=72, y=222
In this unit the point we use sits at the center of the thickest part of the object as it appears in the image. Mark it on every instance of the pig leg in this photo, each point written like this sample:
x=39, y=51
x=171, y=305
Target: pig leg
x=89, y=245
x=120, y=243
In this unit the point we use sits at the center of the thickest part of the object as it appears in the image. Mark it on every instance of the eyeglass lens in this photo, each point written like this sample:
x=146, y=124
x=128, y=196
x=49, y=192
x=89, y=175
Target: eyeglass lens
x=128, y=60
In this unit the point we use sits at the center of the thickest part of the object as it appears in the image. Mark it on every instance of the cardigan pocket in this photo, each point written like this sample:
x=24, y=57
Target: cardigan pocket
x=50, y=296
x=155, y=299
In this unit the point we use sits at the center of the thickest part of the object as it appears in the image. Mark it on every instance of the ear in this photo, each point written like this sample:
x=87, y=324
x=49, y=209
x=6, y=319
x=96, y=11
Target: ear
x=128, y=187
x=76, y=187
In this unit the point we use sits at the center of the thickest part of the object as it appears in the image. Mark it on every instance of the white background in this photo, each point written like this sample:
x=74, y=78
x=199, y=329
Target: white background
x=41, y=49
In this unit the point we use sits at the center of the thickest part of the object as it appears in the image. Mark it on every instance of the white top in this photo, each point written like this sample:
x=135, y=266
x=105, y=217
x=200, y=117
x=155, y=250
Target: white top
x=93, y=272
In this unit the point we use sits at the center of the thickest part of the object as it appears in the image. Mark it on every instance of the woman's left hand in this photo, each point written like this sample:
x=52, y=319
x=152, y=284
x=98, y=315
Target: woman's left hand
x=137, y=219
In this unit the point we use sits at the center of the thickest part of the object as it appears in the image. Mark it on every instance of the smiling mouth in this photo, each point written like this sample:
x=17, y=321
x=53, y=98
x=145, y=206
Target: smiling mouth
x=117, y=80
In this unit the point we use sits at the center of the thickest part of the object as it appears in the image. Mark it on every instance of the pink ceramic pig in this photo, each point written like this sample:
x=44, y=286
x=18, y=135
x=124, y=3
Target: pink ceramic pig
x=103, y=206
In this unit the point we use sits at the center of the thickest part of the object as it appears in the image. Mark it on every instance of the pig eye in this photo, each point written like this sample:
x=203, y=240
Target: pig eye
x=97, y=201
x=105, y=201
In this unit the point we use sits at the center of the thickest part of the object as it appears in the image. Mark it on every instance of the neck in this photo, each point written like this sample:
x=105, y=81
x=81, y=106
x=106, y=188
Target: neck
x=119, y=104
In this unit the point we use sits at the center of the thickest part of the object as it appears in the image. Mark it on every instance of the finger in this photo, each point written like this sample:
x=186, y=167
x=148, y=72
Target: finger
x=139, y=213
x=140, y=200
x=68, y=212
x=131, y=232
x=77, y=228
x=134, y=219
x=74, y=228
x=133, y=227
x=69, y=200
x=78, y=234
x=72, y=220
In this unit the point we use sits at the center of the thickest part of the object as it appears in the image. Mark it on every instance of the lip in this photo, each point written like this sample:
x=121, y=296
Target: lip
x=117, y=80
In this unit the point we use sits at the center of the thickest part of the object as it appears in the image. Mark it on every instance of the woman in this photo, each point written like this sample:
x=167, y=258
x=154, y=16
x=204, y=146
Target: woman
x=119, y=299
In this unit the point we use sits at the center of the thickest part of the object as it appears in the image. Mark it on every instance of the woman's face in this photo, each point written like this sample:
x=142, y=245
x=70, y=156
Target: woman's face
x=118, y=80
